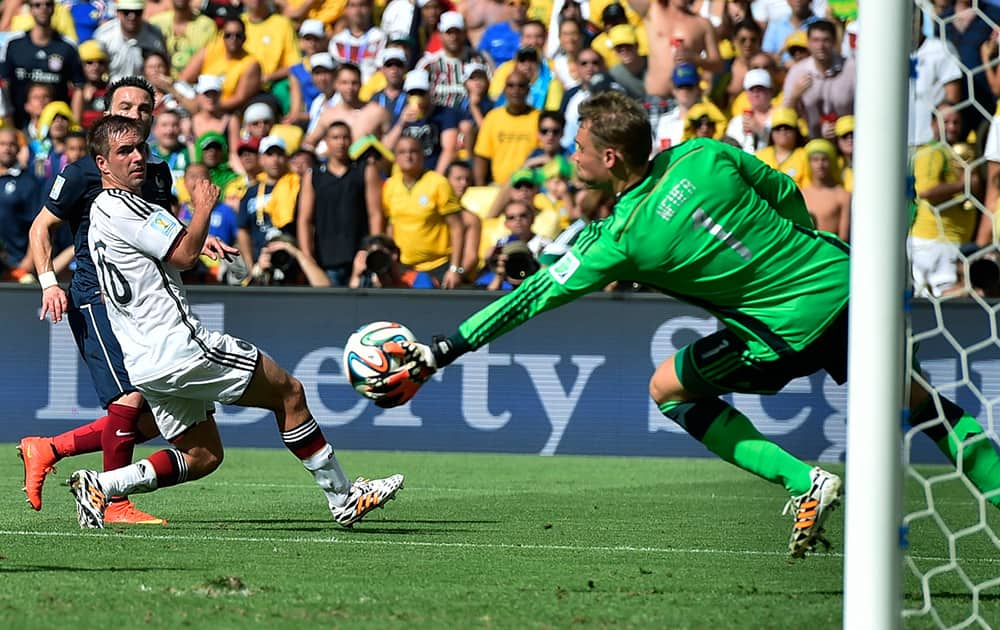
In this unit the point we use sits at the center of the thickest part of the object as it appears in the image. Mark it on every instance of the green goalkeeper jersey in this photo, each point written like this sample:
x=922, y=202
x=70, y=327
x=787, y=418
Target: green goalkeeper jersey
x=710, y=225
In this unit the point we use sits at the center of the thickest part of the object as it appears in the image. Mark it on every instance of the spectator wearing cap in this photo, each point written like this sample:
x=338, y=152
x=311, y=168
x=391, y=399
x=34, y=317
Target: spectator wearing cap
x=502, y=40
x=844, y=129
x=690, y=39
x=364, y=118
x=212, y=150
x=746, y=41
x=248, y=155
x=40, y=56
x=392, y=98
x=778, y=30
x=784, y=152
x=446, y=67
x=525, y=187
x=508, y=135
x=360, y=42
x=614, y=14
x=400, y=42
x=259, y=121
x=630, y=72
x=821, y=87
x=687, y=93
x=472, y=109
x=424, y=216
x=827, y=200
x=760, y=61
x=704, y=120
x=752, y=127
x=322, y=69
x=546, y=90
x=227, y=57
x=796, y=48
x=185, y=32
x=270, y=37
x=301, y=88
x=434, y=126
x=127, y=38
x=90, y=106
x=207, y=114
x=268, y=207
x=340, y=203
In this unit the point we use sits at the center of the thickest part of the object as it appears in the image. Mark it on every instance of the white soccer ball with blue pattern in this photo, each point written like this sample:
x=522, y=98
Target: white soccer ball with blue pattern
x=363, y=354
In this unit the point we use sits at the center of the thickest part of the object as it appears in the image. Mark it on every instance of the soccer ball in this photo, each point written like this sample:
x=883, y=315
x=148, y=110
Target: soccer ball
x=363, y=355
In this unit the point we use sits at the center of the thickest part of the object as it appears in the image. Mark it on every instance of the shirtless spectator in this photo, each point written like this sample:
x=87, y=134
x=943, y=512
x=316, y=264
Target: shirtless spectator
x=690, y=39
x=479, y=14
x=828, y=202
x=209, y=115
x=364, y=118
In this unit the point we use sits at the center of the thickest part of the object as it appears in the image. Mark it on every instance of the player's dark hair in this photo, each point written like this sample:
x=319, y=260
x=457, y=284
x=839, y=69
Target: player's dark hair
x=618, y=122
x=822, y=25
x=131, y=81
x=108, y=127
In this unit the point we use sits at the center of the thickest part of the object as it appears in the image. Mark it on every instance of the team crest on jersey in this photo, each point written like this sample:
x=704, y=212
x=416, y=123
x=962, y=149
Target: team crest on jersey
x=564, y=269
x=10, y=187
x=57, y=187
x=55, y=63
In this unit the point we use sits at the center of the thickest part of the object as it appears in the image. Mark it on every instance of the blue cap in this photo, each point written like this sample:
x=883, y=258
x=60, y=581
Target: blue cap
x=686, y=75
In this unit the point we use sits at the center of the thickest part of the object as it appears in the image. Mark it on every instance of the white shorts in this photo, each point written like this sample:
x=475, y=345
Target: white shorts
x=991, y=150
x=187, y=395
x=934, y=265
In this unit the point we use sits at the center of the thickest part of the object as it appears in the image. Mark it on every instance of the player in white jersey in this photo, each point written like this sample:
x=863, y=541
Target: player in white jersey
x=180, y=367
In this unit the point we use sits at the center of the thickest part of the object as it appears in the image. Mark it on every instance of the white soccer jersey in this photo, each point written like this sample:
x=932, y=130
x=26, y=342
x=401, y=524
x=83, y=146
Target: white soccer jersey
x=149, y=312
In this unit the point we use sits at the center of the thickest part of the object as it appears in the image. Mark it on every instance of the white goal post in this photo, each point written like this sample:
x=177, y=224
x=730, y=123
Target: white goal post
x=872, y=557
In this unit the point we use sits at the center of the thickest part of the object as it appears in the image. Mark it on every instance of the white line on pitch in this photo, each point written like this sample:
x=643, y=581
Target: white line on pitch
x=447, y=545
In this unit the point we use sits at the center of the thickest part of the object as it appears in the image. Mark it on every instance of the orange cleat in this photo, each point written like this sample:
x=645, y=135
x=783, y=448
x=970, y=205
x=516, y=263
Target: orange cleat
x=125, y=513
x=39, y=460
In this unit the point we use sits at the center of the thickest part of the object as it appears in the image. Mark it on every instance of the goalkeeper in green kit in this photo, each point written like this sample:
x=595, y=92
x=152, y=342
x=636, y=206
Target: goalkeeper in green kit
x=715, y=227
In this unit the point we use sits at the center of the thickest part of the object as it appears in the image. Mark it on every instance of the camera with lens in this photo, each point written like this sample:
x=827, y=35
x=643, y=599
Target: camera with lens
x=520, y=262
x=380, y=251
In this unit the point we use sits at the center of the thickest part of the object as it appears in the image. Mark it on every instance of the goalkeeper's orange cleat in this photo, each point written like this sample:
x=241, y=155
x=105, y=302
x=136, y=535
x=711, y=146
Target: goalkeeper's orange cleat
x=125, y=513
x=39, y=460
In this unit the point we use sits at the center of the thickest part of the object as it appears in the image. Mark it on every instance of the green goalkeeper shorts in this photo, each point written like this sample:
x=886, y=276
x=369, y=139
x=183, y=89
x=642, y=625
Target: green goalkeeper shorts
x=718, y=364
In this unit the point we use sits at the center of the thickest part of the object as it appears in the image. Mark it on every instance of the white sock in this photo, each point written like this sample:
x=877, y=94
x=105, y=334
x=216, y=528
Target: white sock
x=132, y=479
x=329, y=475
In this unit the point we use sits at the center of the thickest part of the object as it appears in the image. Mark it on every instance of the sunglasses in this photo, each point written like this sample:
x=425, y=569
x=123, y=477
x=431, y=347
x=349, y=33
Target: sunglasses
x=94, y=62
x=545, y=131
x=393, y=64
x=521, y=185
x=131, y=12
x=517, y=217
x=233, y=35
x=520, y=86
x=43, y=5
x=784, y=128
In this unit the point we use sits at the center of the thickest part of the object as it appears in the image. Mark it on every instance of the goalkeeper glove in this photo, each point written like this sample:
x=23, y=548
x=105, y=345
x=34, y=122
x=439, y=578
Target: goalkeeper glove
x=417, y=363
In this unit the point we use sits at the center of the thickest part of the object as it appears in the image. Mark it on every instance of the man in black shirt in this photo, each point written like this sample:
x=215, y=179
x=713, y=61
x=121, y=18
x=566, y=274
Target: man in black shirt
x=339, y=204
x=40, y=55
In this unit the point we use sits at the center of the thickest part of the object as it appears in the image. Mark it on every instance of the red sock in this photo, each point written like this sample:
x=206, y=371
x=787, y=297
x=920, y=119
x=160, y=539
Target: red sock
x=170, y=467
x=119, y=435
x=83, y=439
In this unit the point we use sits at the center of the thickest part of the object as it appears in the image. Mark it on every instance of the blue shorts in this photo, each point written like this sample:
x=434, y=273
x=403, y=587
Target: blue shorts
x=100, y=350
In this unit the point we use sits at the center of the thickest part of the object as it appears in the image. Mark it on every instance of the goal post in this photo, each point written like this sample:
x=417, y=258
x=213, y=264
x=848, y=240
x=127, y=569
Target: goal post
x=877, y=346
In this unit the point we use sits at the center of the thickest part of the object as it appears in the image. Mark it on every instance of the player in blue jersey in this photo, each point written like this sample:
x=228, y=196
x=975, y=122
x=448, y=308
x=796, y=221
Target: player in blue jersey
x=69, y=201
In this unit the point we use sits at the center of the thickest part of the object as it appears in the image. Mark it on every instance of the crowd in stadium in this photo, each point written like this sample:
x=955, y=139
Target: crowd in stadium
x=428, y=143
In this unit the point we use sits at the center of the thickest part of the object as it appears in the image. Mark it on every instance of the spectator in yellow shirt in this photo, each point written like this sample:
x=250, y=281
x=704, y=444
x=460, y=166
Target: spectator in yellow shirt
x=508, y=136
x=424, y=216
x=785, y=153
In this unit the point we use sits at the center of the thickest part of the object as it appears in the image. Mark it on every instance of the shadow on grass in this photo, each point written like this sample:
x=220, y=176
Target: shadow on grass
x=44, y=568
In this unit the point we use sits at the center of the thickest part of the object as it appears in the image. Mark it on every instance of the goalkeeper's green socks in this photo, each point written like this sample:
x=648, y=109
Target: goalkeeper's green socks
x=730, y=435
x=980, y=461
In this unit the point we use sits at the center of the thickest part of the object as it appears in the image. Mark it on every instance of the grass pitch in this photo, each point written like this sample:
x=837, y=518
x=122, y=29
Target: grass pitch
x=473, y=541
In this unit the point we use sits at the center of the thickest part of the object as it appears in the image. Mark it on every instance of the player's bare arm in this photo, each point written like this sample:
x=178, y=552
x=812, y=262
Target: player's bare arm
x=54, y=302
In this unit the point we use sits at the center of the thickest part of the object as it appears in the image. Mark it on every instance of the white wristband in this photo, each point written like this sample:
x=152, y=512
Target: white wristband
x=47, y=279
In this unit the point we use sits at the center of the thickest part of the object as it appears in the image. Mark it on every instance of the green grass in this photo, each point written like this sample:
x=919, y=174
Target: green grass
x=473, y=541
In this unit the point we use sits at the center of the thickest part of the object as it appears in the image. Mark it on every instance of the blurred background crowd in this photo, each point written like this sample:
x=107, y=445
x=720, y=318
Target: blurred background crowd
x=428, y=143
